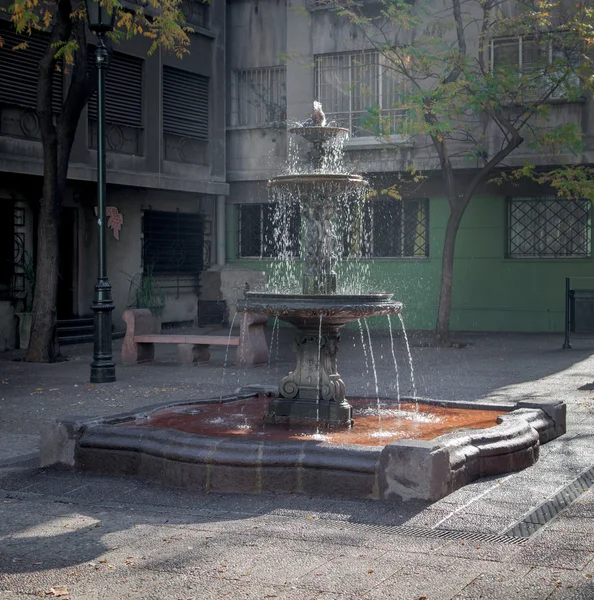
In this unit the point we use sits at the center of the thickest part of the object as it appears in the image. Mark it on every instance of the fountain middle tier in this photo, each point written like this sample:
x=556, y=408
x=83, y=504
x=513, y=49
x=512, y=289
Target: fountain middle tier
x=314, y=390
x=306, y=310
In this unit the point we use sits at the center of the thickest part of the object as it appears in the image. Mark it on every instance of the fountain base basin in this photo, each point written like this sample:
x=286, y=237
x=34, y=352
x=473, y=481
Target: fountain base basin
x=128, y=445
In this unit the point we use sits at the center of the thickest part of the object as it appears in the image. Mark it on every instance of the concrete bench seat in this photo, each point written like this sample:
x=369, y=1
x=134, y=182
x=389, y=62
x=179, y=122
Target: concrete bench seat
x=141, y=337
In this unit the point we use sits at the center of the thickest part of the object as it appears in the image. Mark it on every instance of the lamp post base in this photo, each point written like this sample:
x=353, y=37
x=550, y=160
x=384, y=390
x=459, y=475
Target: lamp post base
x=102, y=367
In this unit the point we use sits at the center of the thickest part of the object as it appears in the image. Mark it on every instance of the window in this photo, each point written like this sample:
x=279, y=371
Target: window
x=185, y=116
x=396, y=228
x=548, y=228
x=356, y=88
x=269, y=230
x=18, y=83
x=548, y=68
x=258, y=96
x=123, y=104
x=173, y=243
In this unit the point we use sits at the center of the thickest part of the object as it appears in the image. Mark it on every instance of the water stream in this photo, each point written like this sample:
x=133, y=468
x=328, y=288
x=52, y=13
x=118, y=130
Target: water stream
x=410, y=360
x=226, y=355
x=395, y=361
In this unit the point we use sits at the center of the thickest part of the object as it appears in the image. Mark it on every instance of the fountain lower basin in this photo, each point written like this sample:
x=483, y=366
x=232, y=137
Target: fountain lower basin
x=401, y=470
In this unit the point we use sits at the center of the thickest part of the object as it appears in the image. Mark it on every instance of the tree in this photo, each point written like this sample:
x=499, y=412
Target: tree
x=479, y=79
x=162, y=22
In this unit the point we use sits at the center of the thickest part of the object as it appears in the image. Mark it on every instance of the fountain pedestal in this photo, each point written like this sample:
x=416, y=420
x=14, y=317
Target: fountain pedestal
x=314, y=391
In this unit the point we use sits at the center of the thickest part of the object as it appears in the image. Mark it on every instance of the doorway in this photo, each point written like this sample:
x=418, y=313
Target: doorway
x=68, y=265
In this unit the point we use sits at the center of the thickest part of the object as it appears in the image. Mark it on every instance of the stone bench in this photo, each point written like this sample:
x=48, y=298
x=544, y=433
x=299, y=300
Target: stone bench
x=141, y=336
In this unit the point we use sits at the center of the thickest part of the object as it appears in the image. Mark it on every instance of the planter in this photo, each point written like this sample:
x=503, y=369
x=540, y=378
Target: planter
x=24, y=329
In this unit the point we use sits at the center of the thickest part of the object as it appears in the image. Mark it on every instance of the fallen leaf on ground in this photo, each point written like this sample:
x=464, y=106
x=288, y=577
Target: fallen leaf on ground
x=59, y=591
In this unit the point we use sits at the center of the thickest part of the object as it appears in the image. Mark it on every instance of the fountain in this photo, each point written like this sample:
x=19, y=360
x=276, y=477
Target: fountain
x=268, y=440
x=314, y=390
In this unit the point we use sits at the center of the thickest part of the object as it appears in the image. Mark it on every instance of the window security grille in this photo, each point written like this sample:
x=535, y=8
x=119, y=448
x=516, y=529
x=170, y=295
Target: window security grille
x=258, y=96
x=536, y=60
x=396, y=228
x=19, y=69
x=356, y=88
x=269, y=230
x=123, y=104
x=548, y=228
x=173, y=243
x=391, y=228
x=185, y=116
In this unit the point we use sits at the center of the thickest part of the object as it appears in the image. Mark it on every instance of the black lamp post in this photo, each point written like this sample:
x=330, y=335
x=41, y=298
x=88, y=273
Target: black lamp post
x=101, y=21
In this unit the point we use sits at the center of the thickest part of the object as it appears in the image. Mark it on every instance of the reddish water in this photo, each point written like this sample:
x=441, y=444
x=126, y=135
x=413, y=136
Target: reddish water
x=244, y=418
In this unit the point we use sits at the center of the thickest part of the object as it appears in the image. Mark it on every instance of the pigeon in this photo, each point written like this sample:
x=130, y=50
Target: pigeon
x=317, y=116
x=317, y=119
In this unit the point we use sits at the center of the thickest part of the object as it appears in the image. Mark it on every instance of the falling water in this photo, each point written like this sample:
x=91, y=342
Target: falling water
x=379, y=407
x=274, y=328
x=319, y=369
x=395, y=361
x=226, y=355
x=364, y=345
x=410, y=360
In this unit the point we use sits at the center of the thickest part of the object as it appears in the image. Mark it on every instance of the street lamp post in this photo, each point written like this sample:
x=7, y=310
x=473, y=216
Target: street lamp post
x=101, y=21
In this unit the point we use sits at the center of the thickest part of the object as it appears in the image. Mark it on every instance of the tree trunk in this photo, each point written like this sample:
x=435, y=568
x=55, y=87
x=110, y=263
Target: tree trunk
x=442, y=327
x=41, y=344
x=57, y=138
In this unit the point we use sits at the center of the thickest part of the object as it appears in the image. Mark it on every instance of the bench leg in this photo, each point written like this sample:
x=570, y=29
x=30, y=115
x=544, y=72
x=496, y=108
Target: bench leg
x=133, y=352
x=188, y=354
x=252, y=349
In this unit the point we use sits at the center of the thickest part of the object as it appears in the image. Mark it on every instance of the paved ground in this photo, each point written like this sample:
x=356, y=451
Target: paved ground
x=83, y=537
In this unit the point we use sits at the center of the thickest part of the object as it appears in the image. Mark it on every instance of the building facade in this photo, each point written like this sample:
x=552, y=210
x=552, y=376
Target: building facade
x=515, y=246
x=166, y=175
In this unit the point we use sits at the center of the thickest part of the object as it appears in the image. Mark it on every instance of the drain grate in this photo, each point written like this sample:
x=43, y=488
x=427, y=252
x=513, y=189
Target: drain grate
x=550, y=508
x=442, y=534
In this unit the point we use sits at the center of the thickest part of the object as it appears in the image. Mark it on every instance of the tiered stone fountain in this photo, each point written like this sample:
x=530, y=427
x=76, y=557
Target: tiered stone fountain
x=200, y=444
x=314, y=391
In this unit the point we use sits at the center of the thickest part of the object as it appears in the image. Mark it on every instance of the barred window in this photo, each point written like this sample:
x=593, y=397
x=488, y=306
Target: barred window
x=544, y=227
x=359, y=91
x=536, y=60
x=173, y=242
x=258, y=96
x=396, y=228
x=269, y=230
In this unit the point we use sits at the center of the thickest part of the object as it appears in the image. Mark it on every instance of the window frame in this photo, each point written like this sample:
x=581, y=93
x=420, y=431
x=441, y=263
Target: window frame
x=266, y=209
x=236, y=104
x=512, y=254
x=558, y=94
x=352, y=115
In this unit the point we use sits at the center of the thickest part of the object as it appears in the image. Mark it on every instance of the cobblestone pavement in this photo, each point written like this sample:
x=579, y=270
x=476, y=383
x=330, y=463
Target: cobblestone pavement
x=528, y=535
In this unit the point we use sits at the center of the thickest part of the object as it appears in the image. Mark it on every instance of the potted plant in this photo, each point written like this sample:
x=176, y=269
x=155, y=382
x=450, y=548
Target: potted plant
x=145, y=292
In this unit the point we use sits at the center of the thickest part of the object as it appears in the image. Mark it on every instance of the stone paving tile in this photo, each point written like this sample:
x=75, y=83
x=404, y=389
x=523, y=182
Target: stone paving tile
x=518, y=582
x=474, y=550
x=564, y=539
x=464, y=521
x=412, y=583
x=428, y=518
x=35, y=578
x=267, y=565
x=574, y=524
x=554, y=557
x=350, y=575
x=579, y=590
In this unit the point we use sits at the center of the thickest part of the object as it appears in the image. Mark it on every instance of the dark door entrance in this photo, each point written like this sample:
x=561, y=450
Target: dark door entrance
x=68, y=271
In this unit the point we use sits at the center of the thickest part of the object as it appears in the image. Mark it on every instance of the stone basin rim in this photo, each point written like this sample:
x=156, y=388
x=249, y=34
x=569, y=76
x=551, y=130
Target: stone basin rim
x=317, y=178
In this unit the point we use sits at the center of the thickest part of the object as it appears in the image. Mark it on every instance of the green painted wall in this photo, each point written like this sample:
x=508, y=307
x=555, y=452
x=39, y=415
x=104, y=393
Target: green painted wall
x=491, y=292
